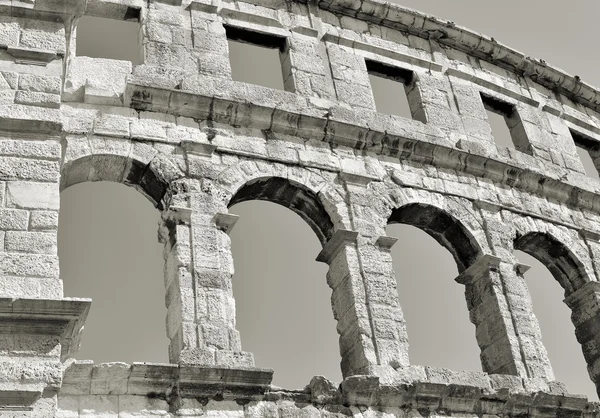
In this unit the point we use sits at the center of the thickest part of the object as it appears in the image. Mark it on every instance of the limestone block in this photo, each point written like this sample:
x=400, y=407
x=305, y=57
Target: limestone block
x=43, y=220
x=47, y=149
x=105, y=406
x=28, y=169
x=31, y=242
x=10, y=30
x=96, y=80
x=32, y=195
x=110, y=378
x=142, y=406
x=29, y=265
x=34, y=98
x=31, y=82
x=14, y=219
x=45, y=35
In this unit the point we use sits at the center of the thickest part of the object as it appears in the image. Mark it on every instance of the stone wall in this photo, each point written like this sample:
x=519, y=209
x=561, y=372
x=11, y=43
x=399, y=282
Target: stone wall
x=194, y=142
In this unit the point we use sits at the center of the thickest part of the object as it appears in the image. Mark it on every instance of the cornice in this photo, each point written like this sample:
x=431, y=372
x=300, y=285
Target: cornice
x=473, y=43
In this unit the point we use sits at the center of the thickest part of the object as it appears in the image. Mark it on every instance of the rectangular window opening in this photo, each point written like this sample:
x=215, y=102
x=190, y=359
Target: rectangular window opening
x=258, y=58
x=589, y=152
x=389, y=85
x=99, y=37
x=507, y=129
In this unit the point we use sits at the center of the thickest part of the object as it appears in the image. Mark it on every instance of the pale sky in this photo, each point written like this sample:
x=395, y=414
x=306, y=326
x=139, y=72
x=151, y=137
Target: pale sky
x=108, y=248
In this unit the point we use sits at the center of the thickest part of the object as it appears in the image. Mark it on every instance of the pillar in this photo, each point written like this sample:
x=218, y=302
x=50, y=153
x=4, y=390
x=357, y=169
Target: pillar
x=198, y=278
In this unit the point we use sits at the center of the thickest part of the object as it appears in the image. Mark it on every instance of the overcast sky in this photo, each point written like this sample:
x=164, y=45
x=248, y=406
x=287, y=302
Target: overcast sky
x=108, y=247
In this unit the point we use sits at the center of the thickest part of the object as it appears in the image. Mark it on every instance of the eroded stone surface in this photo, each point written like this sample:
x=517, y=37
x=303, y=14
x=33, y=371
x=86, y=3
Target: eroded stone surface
x=194, y=141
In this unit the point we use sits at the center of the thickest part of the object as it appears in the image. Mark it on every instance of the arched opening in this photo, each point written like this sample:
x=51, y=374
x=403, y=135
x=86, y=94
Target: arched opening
x=118, y=169
x=282, y=299
x=292, y=196
x=554, y=271
x=108, y=251
x=440, y=333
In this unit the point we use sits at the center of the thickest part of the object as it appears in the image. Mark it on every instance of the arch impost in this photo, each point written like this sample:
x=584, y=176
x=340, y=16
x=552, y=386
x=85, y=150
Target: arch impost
x=589, y=234
x=198, y=148
x=479, y=267
x=386, y=243
x=225, y=221
x=582, y=294
x=522, y=268
x=179, y=214
x=338, y=241
x=357, y=179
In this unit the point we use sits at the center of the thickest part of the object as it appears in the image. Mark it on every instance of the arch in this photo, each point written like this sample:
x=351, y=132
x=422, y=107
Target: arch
x=566, y=268
x=291, y=195
x=441, y=226
x=315, y=198
x=134, y=164
x=559, y=248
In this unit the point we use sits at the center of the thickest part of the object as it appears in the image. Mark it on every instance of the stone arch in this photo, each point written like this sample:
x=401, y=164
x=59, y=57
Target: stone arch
x=133, y=164
x=305, y=192
x=292, y=196
x=448, y=220
x=106, y=159
x=563, y=254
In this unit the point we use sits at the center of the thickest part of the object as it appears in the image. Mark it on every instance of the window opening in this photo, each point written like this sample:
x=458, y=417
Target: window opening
x=589, y=152
x=389, y=85
x=258, y=58
x=507, y=128
x=282, y=298
x=557, y=329
x=99, y=37
x=108, y=251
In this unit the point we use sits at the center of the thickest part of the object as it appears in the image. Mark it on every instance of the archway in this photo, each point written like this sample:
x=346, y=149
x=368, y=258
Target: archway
x=108, y=251
x=555, y=273
x=425, y=273
x=282, y=299
x=142, y=168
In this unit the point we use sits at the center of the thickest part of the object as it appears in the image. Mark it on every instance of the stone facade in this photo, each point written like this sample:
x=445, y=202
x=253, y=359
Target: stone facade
x=179, y=130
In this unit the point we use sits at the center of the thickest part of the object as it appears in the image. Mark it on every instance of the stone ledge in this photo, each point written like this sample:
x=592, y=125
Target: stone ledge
x=384, y=135
x=61, y=317
x=458, y=394
x=165, y=380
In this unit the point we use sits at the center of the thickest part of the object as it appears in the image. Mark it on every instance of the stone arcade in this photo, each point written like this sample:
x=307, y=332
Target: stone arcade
x=179, y=130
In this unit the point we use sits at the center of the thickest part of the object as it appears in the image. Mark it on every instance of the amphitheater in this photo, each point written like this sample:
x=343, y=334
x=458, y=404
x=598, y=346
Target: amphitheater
x=178, y=129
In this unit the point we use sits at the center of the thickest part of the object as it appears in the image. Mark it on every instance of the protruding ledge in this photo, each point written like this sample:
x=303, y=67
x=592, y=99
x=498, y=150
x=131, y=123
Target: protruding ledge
x=340, y=238
x=31, y=56
x=18, y=400
x=61, y=317
x=388, y=53
x=589, y=234
x=522, y=268
x=306, y=31
x=479, y=267
x=164, y=380
x=357, y=179
x=386, y=243
x=226, y=221
x=198, y=148
x=179, y=214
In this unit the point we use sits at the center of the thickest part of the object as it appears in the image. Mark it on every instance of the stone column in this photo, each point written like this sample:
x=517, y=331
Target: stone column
x=349, y=303
x=490, y=313
x=388, y=325
x=198, y=272
x=533, y=353
x=585, y=314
